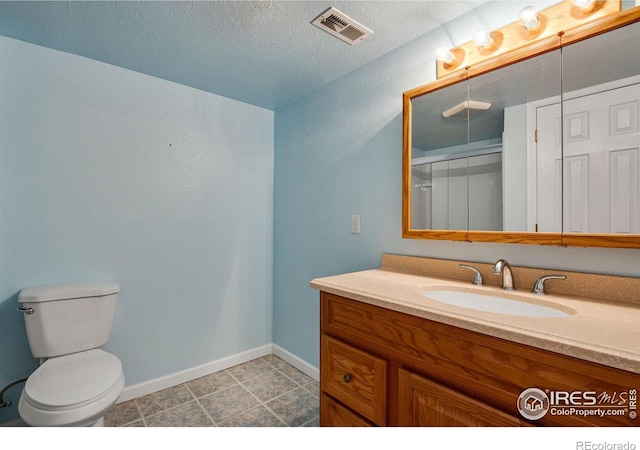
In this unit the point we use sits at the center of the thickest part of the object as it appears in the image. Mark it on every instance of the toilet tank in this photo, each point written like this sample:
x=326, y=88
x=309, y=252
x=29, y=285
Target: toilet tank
x=68, y=318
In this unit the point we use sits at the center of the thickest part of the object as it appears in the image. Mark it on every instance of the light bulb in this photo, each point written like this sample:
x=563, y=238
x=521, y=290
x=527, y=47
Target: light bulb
x=482, y=38
x=445, y=55
x=528, y=17
x=584, y=5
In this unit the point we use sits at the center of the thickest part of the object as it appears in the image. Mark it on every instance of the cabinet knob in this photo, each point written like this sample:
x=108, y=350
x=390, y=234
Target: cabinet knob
x=346, y=378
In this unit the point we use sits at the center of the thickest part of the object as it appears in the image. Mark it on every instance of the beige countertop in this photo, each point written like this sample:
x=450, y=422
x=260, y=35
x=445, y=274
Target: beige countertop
x=596, y=330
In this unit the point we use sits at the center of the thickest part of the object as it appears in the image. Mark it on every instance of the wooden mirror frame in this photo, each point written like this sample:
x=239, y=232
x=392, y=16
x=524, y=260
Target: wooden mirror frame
x=562, y=39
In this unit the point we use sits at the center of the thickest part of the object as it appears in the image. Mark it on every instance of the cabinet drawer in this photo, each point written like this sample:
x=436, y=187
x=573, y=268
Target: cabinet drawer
x=333, y=414
x=356, y=378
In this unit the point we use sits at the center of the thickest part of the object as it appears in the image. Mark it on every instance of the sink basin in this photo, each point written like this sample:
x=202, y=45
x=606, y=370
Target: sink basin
x=493, y=304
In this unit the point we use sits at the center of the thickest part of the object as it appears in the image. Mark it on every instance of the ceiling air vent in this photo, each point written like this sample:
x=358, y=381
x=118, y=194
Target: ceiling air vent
x=343, y=27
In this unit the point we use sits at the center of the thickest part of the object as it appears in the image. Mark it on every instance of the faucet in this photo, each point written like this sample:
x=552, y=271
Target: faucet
x=539, y=289
x=503, y=267
x=477, y=276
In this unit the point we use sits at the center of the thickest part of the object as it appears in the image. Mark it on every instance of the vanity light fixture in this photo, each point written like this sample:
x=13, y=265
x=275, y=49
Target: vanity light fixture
x=528, y=18
x=483, y=39
x=531, y=25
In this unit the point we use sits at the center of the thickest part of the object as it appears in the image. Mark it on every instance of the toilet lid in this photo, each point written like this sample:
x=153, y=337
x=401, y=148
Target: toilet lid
x=72, y=380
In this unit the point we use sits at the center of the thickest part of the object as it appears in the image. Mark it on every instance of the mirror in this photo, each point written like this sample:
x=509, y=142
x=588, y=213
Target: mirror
x=520, y=156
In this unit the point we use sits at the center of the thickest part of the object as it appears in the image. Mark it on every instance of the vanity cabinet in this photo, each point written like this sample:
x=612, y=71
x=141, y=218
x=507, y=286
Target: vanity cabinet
x=380, y=367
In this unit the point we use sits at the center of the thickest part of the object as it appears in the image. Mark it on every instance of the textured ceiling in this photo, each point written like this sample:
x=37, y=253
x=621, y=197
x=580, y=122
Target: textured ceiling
x=265, y=53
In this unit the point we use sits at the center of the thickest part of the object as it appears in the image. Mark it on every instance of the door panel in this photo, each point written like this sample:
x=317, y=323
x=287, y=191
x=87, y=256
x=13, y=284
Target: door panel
x=429, y=404
x=599, y=188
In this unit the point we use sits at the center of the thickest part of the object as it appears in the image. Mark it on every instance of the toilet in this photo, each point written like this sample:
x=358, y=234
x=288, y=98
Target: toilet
x=76, y=382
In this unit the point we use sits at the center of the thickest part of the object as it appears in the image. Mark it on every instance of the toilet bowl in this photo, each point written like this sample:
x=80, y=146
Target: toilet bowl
x=72, y=390
x=77, y=382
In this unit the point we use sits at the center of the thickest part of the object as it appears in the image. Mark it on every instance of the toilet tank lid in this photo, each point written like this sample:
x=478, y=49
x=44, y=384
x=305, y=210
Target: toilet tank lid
x=51, y=292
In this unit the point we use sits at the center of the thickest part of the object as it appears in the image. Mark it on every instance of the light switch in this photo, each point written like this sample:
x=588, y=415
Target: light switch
x=355, y=224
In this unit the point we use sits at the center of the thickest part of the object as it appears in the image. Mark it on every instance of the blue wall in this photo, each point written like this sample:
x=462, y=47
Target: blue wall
x=338, y=152
x=108, y=174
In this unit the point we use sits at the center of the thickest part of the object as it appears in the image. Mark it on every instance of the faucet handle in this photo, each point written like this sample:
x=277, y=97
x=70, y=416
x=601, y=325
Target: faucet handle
x=538, y=287
x=477, y=277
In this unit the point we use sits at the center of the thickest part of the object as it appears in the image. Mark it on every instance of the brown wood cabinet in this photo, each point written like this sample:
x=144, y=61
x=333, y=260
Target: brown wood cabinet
x=382, y=367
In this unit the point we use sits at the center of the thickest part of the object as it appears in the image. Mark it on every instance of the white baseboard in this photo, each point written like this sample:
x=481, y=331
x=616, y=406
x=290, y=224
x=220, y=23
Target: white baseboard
x=296, y=362
x=167, y=381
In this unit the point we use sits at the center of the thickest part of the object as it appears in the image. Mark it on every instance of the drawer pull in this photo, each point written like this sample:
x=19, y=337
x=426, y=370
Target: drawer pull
x=346, y=378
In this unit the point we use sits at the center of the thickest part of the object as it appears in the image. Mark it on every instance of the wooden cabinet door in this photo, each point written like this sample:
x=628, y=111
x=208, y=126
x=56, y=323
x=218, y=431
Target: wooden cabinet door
x=424, y=403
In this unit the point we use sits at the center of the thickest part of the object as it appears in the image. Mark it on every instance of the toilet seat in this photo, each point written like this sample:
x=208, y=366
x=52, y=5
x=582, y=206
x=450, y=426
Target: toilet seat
x=72, y=390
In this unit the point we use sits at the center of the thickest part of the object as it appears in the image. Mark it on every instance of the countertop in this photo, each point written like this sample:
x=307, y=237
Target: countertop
x=597, y=330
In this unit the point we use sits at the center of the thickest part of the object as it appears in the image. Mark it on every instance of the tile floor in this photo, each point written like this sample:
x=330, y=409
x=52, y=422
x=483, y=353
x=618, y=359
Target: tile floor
x=265, y=392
